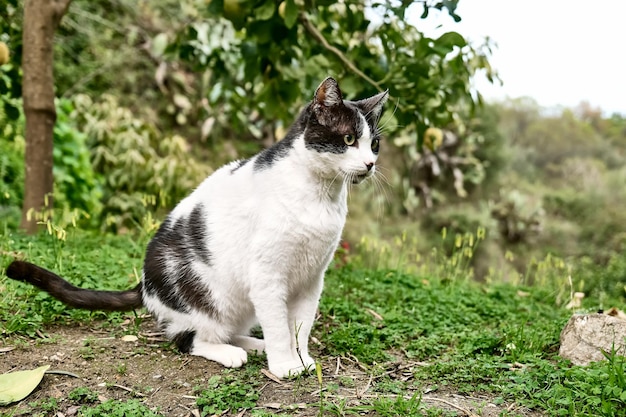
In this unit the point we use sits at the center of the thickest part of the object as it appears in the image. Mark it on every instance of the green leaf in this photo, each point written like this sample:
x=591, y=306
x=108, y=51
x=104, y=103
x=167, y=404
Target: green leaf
x=12, y=112
x=450, y=39
x=4, y=88
x=15, y=386
x=159, y=44
x=266, y=10
x=291, y=13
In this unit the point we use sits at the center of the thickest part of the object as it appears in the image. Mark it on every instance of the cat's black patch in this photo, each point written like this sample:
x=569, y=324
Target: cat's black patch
x=157, y=282
x=328, y=126
x=240, y=163
x=168, y=268
x=269, y=156
x=194, y=293
x=184, y=340
x=198, y=235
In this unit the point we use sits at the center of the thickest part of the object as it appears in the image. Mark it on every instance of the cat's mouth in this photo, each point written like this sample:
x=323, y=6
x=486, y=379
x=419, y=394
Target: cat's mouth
x=359, y=178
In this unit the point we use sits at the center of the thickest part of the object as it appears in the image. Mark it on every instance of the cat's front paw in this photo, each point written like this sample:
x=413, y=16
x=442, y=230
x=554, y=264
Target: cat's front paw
x=249, y=344
x=291, y=368
x=227, y=355
x=309, y=362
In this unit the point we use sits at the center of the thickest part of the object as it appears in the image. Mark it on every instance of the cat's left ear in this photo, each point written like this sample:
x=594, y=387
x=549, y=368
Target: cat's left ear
x=373, y=107
x=328, y=93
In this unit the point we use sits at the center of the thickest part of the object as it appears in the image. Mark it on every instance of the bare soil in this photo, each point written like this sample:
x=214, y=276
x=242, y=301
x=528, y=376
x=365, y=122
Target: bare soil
x=149, y=370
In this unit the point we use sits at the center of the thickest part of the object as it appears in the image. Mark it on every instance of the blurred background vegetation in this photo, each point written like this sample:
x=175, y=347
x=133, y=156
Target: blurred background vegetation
x=154, y=95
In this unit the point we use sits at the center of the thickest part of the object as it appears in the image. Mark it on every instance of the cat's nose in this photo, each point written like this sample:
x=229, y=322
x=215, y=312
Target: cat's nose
x=369, y=166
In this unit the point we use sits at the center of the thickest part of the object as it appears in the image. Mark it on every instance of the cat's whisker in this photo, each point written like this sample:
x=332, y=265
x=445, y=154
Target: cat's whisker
x=383, y=124
x=379, y=172
x=380, y=182
x=330, y=184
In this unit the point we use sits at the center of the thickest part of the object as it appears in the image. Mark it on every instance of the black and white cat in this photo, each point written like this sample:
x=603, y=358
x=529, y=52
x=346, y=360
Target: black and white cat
x=251, y=244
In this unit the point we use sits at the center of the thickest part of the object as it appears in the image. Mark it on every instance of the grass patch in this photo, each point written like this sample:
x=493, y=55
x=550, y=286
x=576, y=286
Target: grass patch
x=130, y=408
x=446, y=335
x=86, y=259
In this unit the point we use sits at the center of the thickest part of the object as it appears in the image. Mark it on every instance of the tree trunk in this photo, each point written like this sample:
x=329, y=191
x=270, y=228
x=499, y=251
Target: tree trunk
x=41, y=18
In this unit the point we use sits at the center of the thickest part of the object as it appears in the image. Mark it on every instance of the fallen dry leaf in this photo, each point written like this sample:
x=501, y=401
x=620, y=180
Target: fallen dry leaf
x=15, y=386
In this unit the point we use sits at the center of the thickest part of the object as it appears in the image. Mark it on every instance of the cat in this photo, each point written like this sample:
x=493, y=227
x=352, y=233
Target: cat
x=252, y=243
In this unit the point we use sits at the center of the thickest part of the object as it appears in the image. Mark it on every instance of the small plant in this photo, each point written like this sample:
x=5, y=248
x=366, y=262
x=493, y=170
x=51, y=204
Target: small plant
x=113, y=408
x=122, y=369
x=83, y=395
x=141, y=168
x=49, y=406
x=226, y=393
x=398, y=406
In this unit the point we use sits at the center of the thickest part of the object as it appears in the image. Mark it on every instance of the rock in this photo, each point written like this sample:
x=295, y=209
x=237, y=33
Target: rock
x=586, y=336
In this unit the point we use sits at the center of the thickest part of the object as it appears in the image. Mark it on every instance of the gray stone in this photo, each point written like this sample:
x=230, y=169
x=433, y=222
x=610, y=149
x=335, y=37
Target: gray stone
x=586, y=336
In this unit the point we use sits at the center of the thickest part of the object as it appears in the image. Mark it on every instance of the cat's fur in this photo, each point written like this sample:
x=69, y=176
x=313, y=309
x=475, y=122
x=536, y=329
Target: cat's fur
x=251, y=244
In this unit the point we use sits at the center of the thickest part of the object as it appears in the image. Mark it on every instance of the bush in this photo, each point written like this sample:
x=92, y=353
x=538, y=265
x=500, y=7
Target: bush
x=11, y=164
x=140, y=168
x=75, y=183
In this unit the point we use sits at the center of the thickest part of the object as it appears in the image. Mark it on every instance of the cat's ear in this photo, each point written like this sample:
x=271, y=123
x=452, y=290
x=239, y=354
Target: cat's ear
x=328, y=93
x=372, y=107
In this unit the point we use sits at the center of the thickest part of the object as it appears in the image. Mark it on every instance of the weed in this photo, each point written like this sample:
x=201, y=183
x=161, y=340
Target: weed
x=130, y=408
x=83, y=395
x=122, y=369
x=226, y=393
x=388, y=386
x=398, y=406
x=85, y=259
x=87, y=353
x=45, y=407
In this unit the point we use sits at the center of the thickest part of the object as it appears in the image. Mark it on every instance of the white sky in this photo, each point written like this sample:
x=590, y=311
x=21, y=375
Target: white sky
x=560, y=52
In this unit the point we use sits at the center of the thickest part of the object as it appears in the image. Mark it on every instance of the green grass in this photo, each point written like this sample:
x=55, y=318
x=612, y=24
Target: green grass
x=498, y=339
x=87, y=259
x=114, y=408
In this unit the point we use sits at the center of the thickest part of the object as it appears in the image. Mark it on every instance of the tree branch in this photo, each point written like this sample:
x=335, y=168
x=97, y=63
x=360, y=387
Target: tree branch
x=317, y=35
x=59, y=8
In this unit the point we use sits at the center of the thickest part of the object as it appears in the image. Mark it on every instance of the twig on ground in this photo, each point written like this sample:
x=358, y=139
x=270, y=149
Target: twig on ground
x=271, y=376
x=55, y=372
x=367, y=386
x=448, y=403
x=132, y=391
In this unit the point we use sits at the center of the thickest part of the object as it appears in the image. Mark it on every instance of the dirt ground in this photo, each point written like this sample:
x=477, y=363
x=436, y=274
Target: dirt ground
x=147, y=369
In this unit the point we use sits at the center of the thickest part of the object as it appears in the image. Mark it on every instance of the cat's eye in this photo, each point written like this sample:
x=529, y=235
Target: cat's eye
x=375, y=144
x=349, y=139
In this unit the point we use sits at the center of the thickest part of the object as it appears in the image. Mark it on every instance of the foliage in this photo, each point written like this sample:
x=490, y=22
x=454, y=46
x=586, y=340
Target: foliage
x=596, y=390
x=140, y=167
x=10, y=74
x=83, y=395
x=268, y=55
x=495, y=338
x=114, y=408
x=241, y=70
x=223, y=393
x=26, y=309
x=11, y=163
x=613, y=273
x=519, y=216
x=76, y=184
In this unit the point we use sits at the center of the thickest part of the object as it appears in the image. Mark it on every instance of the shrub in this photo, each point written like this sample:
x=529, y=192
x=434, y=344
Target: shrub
x=140, y=168
x=75, y=183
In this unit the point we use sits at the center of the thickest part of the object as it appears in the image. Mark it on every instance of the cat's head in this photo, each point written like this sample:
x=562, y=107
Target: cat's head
x=344, y=134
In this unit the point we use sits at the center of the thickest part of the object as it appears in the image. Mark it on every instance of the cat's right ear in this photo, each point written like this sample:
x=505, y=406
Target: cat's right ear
x=328, y=93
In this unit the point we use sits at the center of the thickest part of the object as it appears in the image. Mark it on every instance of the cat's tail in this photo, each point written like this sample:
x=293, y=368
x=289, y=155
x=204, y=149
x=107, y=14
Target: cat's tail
x=71, y=295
